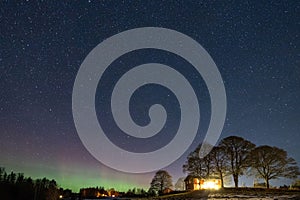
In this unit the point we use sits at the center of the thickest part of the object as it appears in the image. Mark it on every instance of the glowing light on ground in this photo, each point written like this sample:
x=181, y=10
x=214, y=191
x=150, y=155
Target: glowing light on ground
x=211, y=184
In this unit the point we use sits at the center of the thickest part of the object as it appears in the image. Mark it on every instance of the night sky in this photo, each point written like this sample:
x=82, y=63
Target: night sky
x=43, y=43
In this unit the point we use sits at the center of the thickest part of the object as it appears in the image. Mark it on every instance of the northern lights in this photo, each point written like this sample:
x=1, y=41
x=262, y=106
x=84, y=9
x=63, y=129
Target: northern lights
x=43, y=43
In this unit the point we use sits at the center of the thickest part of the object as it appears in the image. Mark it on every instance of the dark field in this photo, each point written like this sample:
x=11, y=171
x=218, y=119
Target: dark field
x=240, y=193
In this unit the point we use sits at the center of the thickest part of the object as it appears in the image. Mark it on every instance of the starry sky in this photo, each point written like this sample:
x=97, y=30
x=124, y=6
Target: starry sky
x=43, y=43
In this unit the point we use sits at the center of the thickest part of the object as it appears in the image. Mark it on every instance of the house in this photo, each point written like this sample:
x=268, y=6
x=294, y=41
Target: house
x=167, y=191
x=198, y=183
x=192, y=182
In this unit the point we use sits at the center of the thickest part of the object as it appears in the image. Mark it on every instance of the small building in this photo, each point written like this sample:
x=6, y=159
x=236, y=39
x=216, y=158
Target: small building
x=198, y=183
x=192, y=182
x=167, y=191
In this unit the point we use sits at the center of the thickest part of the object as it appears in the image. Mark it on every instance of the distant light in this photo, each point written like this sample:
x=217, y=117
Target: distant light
x=211, y=185
x=60, y=196
x=113, y=195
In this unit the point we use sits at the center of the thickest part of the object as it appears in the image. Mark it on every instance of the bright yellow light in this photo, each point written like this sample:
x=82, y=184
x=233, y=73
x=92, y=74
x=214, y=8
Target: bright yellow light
x=210, y=185
x=60, y=196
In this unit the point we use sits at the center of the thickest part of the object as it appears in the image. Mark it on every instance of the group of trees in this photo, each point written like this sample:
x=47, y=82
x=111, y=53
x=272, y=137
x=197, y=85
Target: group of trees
x=97, y=192
x=161, y=181
x=236, y=156
x=16, y=186
x=136, y=192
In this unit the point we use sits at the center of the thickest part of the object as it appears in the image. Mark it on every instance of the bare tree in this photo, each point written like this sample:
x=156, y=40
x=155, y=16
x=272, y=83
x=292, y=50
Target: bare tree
x=237, y=150
x=197, y=166
x=208, y=166
x=161, y=181
x=194, y=165
x=219, y=162
x=272, y=163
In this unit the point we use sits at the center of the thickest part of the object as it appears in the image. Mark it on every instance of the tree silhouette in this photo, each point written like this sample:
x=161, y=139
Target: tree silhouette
x=18, y=187
x=237, y=150
x=219, y=161
x=197, y=166
x=2, y=171
x=161, y=181
x=180, y=185
x=272, y=163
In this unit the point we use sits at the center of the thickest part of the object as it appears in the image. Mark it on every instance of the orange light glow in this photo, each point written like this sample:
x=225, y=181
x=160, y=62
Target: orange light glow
x=211, y=184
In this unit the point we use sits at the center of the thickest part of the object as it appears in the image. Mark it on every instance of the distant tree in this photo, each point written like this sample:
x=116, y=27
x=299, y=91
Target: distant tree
x=142, y=192
x=296, y=184
x=180, y=185
x=194, y=164
x=219, y=161
x=272, y=163
x=5, y=177
x=12, y=177
x=52, y=191
x=237, y=150
x=134, y=190
x=161, y=181
x=2, y=171
x=151, y=192
x=197, y=166
x=102, y=190
x=129, y=193
x=17, y=187
x=138, y=191
x=20, y=178
x=28, y=188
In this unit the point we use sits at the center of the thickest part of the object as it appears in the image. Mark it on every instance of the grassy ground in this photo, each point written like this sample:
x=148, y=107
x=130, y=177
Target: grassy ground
x=233, y=193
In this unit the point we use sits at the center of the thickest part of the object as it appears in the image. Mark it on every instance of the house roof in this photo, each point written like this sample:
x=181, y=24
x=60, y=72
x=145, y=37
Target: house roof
x=189, y=177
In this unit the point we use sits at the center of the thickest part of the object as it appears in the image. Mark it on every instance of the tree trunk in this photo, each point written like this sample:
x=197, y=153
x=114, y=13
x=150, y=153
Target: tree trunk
x=236, y=180
x=267, y=183
x=222, y=180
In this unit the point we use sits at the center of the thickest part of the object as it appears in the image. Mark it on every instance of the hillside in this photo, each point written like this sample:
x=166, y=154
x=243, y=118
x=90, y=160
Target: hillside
x=233, y=194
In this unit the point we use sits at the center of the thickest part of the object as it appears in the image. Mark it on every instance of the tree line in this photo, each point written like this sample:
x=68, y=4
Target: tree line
x=97, y=192
x=235, y=156
x=15, y=186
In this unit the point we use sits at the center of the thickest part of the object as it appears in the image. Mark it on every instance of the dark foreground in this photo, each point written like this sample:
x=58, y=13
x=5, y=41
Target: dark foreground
x=232, y=194
x=229, y=194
